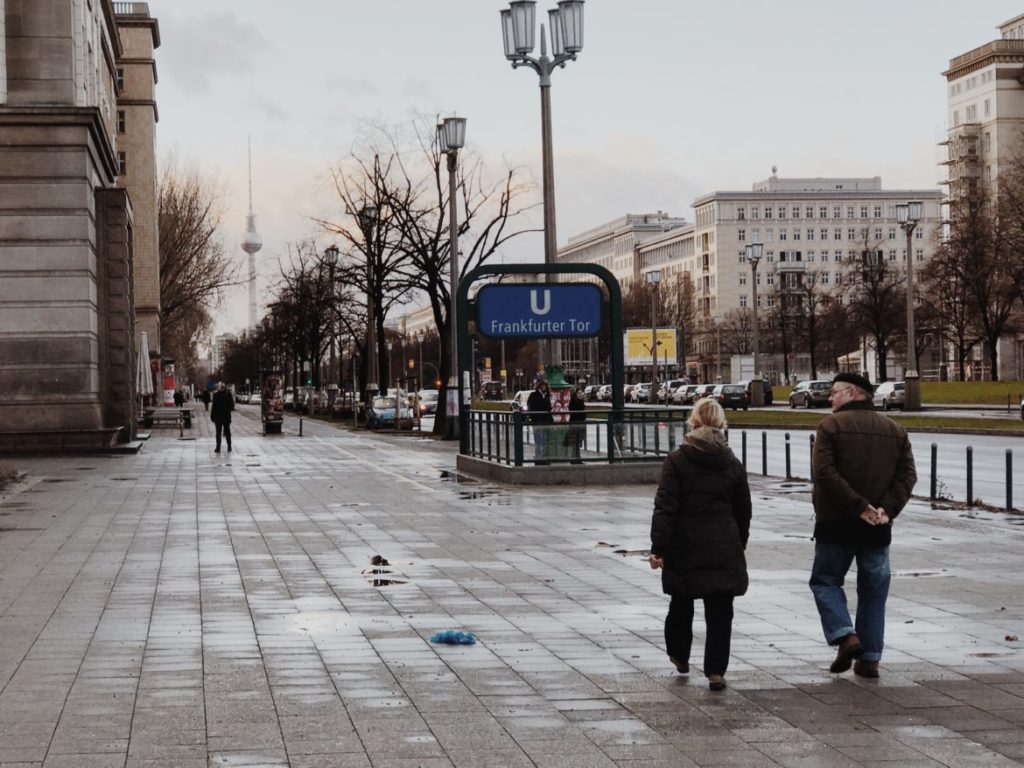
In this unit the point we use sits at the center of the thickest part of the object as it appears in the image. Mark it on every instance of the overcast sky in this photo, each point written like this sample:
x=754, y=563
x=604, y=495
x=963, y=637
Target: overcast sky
x=669, y=99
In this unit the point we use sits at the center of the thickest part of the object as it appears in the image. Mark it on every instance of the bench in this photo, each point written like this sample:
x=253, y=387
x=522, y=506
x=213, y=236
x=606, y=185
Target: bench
x=168, y=416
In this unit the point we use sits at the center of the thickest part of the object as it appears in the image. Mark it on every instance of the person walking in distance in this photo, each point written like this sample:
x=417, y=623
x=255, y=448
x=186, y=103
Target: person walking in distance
x=699, y=532
x=577, y=431
x=220, y=414
x=863, y=476
x=538, y=412
x=205, y=397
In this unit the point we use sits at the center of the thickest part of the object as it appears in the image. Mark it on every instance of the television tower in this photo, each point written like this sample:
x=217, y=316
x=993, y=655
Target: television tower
x=251, y=244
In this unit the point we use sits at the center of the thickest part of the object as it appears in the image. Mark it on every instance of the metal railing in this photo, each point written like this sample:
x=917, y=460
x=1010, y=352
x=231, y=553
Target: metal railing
x=630, y=435
x=131, y=9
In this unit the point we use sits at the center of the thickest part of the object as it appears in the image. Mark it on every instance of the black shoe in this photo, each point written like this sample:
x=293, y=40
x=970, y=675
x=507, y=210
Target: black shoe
x=866, y=669
x=229, y=449
x=849, y=649
x=716, y=682
x=681, y=666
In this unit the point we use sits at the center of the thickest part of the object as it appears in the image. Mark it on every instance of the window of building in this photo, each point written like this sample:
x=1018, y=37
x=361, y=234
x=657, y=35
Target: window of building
x=971, y=113
x=741, y=212
x=823, y=212
x=768, y=211
x=771, y=257
x=851, y=233
x=892, y=233
x=863, y=211
x=120, y=78
x=892, y=255
x=919, y=233
x=824, y=234
x=878, y=233
x=770, y=279
x=838, y=278
x=837, y=256
x=956, y=117
x=795, y=213
x=755, y=212
x=782, y=211
x=837, y=234
x=783, y=234
x=837, y=211
x=849, y=211
x=878, y=211
x=120, y=121
x=810, y=234
x=796, y=234
x=988, y=141
x=743, y=300
x=769, y=235
x=741, y=235
x=743, y=278
x=919, y=254
x=809, y=212
x=988, y=107
x=810, y=256
x=122, y=164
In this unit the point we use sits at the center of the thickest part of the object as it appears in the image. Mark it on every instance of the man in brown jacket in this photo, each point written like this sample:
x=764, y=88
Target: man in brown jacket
x=863, y=476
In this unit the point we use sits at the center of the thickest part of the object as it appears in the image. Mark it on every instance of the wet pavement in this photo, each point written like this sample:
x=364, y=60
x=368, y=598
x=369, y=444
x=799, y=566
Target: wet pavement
x=184, y=609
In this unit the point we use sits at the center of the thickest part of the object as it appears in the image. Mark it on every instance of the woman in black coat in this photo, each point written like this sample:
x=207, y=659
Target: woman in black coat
x=698, y=534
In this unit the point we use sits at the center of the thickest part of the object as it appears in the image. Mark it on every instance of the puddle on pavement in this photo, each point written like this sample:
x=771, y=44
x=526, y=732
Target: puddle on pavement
x=85, y=469
x=387, y=582
x=19, y=530
x=990, y=655
x=59, y=480
x=455, y=477
x=379, y=560
x=1016, y=522
x=125, y=479
x=377, y=571
x=916, y=574
x=632, y=552
x=605, y=545
x=491, y=496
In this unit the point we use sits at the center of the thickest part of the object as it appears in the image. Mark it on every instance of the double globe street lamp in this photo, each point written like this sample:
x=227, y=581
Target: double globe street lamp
x=908, y=215
x=451, y=137
x=754, y=252
x=367, y=221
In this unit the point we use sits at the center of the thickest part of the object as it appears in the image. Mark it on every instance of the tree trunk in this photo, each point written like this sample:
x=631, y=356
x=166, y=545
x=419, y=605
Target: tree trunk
x=993, y=352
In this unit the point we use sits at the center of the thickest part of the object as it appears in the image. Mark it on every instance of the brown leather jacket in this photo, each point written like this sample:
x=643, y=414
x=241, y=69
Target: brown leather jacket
x=860, y=457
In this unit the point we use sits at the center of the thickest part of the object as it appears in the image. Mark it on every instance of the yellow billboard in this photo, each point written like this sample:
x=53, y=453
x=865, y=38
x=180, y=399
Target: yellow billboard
x=637, y=346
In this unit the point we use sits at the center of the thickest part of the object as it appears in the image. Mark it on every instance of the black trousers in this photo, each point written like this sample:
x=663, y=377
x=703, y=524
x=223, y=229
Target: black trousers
x=679, y=631
x=226, y=429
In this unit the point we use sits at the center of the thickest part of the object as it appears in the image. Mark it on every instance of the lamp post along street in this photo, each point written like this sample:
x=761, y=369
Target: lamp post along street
x=331, y=256
x=653, y=278
x=518, y=28
x=451, y=137
x=908, y=215
x=367, y=220
x=754, y=252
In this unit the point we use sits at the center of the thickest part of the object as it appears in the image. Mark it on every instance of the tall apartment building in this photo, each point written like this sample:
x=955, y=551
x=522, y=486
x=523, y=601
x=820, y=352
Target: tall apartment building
x=986, y=130
x=808, y=227
x=219, y=352
x=67, y=328
x=137, y=117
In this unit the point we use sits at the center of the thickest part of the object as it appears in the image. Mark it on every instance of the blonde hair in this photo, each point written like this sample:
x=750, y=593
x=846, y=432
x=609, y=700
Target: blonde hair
x=707, y=413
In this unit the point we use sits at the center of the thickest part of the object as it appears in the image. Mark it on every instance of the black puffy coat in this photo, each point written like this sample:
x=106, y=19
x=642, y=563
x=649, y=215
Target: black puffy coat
x=701, y=521
x=223, y=405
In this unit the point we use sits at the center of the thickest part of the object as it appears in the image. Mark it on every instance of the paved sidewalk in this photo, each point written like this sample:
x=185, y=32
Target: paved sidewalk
x=183, y=609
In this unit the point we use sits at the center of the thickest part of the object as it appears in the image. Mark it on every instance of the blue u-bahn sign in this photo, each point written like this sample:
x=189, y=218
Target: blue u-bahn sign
x=539, y=311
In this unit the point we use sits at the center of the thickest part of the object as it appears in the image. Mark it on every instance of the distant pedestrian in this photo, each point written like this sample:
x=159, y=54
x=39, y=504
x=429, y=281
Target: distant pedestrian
x=205, y=397
x=538, y=413
x=223, y=405
x=863, y=476
x=179, y=398
x=577, y=425
x=699, y=532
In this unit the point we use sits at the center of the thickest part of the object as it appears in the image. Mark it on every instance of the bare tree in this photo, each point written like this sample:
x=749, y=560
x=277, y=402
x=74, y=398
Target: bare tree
x=946, y=284
x=408, y=254
x=874, y=295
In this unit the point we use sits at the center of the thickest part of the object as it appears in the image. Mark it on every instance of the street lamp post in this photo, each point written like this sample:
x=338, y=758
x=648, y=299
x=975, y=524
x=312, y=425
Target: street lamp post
x=653, y=278
x=908, y=215
x=367, y=222
x=451, y=137
x=331, y=257
x=754, y=252
x=566, y=32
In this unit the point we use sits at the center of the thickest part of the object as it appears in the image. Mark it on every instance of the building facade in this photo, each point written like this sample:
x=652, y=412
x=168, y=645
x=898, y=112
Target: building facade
x=136, y=118
x=809, y=227
x=985, y=114
x=67, y=232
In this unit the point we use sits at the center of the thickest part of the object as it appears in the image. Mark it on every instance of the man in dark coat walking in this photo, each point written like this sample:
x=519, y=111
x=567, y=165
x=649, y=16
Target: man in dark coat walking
x=864, y=474
x=220, y=414
x=699, y=532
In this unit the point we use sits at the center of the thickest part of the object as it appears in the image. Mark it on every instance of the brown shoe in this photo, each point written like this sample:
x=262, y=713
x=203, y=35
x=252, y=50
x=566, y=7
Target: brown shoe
x=716, y=682
x=849, y=648
x=866, y=668
x=682, y=666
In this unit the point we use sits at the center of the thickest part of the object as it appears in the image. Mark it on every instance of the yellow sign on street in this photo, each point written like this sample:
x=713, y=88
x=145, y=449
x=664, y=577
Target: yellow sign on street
x=637, y=345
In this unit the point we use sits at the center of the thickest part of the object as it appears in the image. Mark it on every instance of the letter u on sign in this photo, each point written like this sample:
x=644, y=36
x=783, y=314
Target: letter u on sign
x=547, y=303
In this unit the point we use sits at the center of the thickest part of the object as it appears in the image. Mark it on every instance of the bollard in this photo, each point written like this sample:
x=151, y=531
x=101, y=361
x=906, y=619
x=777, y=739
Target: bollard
x=744, y=449
x=300, y=426
x=1009, y=480
x=935, y=472
x=811, y=441
x=970, y=481
x=789, y=466
x=764, y=453
x=181, y=427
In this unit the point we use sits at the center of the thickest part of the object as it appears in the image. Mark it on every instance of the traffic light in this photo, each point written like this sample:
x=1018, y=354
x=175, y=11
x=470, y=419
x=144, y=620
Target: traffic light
x=309, y=381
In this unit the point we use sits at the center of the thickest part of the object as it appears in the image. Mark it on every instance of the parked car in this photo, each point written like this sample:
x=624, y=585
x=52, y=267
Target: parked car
x=1022, y=409
x=590, y=392
x=765, y=387
x=381, y=413
x=519, y=401
x=814, y=393
x=604, y=393
x=678, y=397
x=668, y=388
x=701, y=390
x=642, y=392
x=255, y=398
x=890, y=394
x=426, y=401
x=627, y=393
x=731, y=396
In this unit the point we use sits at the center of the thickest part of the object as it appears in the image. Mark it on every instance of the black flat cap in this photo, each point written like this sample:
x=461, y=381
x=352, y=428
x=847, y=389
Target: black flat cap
x=857, y=380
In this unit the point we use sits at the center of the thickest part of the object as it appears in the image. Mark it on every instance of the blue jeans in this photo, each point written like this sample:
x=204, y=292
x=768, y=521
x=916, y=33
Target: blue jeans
x=831, y=562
